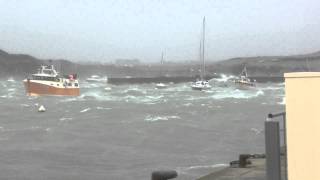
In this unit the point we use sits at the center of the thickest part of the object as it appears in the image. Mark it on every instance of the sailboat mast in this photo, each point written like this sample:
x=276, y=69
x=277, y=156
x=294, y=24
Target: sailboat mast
x=203, y=41
x=200, y=58
x=162, y=58
x=161, y=64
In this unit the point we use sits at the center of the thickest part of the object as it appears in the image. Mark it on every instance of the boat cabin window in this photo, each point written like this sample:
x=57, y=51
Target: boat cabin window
x=69, y=84
x=45, y=78
x=76, y=84
x=47, y=71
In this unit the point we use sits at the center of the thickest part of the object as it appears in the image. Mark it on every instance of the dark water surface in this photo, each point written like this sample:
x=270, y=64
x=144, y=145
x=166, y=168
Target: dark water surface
x=125, y=132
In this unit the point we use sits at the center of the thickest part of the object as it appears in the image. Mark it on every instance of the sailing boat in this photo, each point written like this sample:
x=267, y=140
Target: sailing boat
x=161, y=85
x=244, y=82
x=202, y=84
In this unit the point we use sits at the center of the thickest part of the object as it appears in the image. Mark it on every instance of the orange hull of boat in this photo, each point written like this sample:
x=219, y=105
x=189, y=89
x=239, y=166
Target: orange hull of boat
x=37, y=89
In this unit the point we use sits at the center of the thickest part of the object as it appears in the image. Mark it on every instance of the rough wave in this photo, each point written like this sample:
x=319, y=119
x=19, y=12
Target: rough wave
x=85, y=110
x=160, y=118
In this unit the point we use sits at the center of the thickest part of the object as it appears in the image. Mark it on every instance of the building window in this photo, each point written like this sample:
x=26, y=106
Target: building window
x=76, y=84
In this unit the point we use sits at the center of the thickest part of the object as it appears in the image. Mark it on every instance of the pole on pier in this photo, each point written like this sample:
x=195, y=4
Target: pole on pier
x=272, y=140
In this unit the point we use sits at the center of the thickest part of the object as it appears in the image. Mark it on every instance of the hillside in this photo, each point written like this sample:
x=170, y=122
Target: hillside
x=20, y=65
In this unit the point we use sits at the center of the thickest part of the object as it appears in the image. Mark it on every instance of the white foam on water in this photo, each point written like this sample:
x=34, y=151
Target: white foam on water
x=237, y=94
x=224, y=78
x=66, y=119
x=25, y=105
x=103, y=108
x=134, y=90
x=151, y=118
x=11, y=89
x=69, y=99
x=142, y=99
x=283, y=102
x=187, y=104
x=11, y=80
x=178, y=88
x=273, y=88
x=184, y=170
x=85, y=110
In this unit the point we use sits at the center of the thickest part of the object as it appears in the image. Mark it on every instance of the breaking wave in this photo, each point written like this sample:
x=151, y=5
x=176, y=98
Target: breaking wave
x=160, y=118
x=85, y=110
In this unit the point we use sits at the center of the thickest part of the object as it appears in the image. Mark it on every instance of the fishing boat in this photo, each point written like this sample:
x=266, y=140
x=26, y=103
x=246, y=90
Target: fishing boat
x=161, y=85
x=202, y=84
x=243, y=82
x=97, y=79
x=47, y=81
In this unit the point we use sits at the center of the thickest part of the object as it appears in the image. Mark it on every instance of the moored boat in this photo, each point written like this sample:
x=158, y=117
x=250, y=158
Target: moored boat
x=97, y=79
x=243, y=82
x=202, y=84
x=161, y=85
x=47, y=81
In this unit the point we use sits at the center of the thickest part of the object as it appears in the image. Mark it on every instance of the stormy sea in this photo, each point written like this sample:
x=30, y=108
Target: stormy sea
x=124, y=132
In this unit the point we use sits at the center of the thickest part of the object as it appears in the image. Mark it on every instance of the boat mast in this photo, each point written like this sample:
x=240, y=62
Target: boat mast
x=244, y=71
x=200, y=57
x=162, y=58
x=203, y=41
x=161, y=64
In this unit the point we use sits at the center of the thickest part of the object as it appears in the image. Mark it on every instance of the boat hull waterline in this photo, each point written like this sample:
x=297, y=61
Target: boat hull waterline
x=38, y=89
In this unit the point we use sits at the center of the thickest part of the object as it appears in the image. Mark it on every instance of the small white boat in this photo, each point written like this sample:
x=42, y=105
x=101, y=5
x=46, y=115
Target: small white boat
x=11, y=79
x=243, y=82
x=201, y=85
x=161, y=86
x=97, y=79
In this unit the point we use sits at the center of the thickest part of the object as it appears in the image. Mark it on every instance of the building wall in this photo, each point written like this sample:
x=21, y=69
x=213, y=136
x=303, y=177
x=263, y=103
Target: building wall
x=303, y=125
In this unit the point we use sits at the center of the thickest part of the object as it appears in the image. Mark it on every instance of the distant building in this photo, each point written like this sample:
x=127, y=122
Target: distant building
x=127, y=62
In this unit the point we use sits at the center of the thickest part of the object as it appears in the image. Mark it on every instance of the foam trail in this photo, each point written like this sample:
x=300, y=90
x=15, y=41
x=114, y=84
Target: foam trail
x=103, y=108
x=66, y=119
x=160, y=118
x=283, y=102
x=85, y=110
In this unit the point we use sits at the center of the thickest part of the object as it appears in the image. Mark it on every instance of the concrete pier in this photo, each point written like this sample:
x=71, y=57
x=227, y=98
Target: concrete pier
x=254, y=171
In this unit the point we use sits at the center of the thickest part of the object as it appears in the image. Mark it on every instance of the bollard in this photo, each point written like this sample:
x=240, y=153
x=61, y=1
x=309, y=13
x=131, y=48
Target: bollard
x=243, y=160
x=163, y=175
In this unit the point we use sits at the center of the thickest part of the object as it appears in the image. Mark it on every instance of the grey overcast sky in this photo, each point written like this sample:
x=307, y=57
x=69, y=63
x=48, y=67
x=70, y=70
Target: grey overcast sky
x=104, y=30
